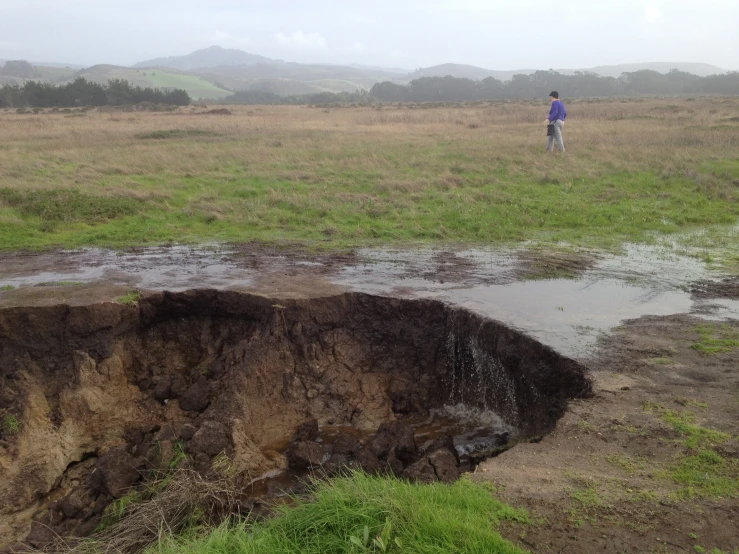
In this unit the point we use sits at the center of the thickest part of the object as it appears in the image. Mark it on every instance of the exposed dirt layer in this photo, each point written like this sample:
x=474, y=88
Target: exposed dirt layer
x=97, y=396
x=604, y=480
x=726, y=288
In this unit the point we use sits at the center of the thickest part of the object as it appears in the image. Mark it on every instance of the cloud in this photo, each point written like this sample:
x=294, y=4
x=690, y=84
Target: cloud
x=299, y=39
x=357, y=46
x=219, y=36
x=10, y=46
x=652, y=14
x=226, y=39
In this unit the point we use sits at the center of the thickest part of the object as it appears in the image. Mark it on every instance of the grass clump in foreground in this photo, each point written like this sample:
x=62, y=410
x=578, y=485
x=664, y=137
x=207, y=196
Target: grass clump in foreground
x=349, y=514
x=706, y=475
x=701, y=472
x=716, y=339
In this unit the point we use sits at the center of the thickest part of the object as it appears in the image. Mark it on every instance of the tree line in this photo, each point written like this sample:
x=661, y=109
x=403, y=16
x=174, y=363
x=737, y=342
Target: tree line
x=536, y=85
x=81, y=92
x=541, y=83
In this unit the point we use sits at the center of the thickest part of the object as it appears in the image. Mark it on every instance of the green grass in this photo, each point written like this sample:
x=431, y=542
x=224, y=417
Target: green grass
x=130, y=299
x=11, y=424
x=683, y=422
x=626, y=464
x=196, y=87
x=6, y=288
x=350, y=209
x=50, y=209
x=118, y=509
x=716, y=339
x=424, y=519
x=706, y=474
x=176, y=133
x=702, y=472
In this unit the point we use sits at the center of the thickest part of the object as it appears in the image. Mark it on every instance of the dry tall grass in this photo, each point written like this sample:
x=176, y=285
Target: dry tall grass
x=58, y=150
x=186, y=498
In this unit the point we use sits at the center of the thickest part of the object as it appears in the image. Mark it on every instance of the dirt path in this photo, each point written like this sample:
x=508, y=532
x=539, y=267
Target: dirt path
x=605, y=479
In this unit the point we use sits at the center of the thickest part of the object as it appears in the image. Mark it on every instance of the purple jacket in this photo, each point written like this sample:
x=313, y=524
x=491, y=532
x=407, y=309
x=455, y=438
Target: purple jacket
x=558, y=111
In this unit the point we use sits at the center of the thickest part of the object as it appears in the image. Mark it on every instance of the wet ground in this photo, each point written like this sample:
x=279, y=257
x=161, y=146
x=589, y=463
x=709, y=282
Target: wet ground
x=565, y=299
x=598, y=482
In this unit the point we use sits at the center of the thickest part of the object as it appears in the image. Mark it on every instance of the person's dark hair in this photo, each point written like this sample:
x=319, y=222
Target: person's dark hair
x=554, y=94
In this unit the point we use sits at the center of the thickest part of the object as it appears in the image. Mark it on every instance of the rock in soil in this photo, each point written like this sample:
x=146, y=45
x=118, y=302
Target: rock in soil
x=197, y=397
x=212, y=438
x=115, y=473
x=306, y=455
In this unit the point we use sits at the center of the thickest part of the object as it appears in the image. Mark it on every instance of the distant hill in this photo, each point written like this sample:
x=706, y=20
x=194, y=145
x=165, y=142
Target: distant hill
x=479, y=73
x=284, y=77
x=56, y=65
x=238, y=70
x=215, y=72
x=50, y=74
x=380, y=68
x=463, y=71
x=213, y=56
x=700, y=69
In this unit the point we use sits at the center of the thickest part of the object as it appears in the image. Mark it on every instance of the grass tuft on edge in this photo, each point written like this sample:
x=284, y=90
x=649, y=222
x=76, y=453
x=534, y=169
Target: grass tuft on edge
x=342, y=513
x=130, y=299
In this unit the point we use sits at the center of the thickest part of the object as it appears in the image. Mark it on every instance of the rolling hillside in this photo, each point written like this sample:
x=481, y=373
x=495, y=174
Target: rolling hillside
x=214, y=72
x=213, y=56
x=195, y=85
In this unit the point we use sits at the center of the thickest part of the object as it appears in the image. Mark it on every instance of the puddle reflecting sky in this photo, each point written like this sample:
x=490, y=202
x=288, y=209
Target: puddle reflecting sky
x=567, y=314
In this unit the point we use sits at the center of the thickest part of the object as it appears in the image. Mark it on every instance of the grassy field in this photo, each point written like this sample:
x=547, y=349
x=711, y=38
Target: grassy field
x=635, y=169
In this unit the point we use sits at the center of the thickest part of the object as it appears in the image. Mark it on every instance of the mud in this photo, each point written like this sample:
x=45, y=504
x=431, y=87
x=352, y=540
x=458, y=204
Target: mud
x=725, y=288
x=105, y=393
x=566, y=299
x=600, y=481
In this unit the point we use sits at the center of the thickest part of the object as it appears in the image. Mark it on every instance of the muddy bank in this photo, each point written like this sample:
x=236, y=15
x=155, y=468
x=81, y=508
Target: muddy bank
x=105, y=392
x=605, y=479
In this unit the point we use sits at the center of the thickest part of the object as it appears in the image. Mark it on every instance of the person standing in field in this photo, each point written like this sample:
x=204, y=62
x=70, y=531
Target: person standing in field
x=557, y=116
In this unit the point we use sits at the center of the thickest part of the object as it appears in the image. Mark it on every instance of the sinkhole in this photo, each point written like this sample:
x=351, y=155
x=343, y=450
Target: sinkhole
x=100, y=395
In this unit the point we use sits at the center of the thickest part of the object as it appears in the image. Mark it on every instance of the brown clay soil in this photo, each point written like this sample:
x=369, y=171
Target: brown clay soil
x=105, y=394
x=597, y=483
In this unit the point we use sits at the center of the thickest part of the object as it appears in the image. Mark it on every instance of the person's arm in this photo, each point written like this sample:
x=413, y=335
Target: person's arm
x=553, y=111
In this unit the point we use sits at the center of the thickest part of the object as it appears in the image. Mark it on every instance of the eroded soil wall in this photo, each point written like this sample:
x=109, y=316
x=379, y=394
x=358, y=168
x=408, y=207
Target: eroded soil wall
x=234, y=374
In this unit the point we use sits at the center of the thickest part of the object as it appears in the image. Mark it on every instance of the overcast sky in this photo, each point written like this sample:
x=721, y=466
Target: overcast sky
x=496, y=34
